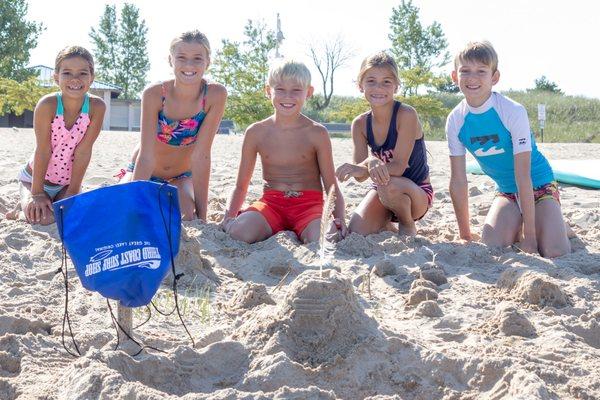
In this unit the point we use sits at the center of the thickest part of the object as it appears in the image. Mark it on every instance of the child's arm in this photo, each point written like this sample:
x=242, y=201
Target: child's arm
x=409, y=129
x=40, y=204
x=526, y=202
x=201, y=157
x=459, y=195
x=151, y=104
x=83, y=151
x=327, y=170
x=520, y=132
x=245, y=170
x=358, y=170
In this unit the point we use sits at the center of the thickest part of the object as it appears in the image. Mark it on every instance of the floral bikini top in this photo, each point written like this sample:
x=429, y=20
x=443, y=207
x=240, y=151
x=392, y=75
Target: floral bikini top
x=179, y=132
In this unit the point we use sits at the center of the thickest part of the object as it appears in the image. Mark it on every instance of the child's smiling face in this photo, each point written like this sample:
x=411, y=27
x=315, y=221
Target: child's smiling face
x=288, y=96
x=74, y=76
x=379, y=85
x=475, y=80
x=189, y=60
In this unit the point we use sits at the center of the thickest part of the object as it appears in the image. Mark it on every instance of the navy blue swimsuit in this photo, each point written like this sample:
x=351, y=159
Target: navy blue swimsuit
x=417, y=170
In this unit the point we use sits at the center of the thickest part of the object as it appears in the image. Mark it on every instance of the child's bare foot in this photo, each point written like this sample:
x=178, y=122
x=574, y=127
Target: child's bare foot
x=570, y=233
x=404, y=230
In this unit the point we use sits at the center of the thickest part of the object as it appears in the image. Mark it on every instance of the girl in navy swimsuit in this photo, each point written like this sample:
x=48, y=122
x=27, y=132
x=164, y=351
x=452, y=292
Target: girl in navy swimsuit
x=389, y=149
x=180, y=118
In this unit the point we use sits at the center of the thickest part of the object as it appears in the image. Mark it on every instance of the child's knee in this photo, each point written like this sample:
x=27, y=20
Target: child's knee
x=491, y=237
x=555, y=250
x=240, y=232
x=392, y=196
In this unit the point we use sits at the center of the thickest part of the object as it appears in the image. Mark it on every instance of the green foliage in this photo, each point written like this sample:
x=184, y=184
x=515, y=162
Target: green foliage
x=17, y=37
x=543, y=84
x=120, y=49
x=106, y=40
x=16, y=97
x=345, y=111
x=444, y=84
x=243, y=68
x=417, y=48
x=568, y=118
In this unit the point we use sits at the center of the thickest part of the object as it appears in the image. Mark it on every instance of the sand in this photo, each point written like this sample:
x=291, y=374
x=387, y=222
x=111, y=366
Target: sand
x=399, y=318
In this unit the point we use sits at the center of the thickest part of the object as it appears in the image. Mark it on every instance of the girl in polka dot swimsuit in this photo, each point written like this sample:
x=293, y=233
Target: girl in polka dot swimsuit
x=66, y=125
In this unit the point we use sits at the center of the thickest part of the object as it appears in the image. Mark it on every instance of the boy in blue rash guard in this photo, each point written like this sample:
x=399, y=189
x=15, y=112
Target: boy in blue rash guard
x=495, y=130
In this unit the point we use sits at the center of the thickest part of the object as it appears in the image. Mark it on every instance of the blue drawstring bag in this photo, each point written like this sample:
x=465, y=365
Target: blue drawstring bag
x=122, y=239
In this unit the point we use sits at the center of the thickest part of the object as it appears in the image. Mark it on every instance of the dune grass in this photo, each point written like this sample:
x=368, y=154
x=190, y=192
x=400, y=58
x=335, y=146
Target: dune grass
x=569, y=119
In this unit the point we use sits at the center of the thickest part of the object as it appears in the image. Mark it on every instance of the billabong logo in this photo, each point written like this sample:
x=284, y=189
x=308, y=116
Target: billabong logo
x=485, y=138
x=492, y=151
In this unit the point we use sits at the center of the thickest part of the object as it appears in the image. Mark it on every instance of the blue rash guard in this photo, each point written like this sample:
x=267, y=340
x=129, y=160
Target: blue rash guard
x=493, y=133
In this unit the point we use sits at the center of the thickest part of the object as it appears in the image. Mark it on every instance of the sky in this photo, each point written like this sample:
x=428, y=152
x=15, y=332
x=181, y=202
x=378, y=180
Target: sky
x=558, y=39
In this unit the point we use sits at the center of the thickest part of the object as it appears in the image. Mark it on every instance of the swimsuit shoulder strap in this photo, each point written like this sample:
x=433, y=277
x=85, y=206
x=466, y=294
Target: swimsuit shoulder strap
x=85, y=108
x=392, y=136
x=204, y=91
x=163, y=90
x=370, y=136
x=60, y=110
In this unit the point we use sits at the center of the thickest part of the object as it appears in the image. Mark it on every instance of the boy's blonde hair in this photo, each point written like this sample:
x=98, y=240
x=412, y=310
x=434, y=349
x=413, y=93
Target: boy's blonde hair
x=379, y=60
x=194, y=36
x=480, y=51
x=289, y=69
x=73, y=51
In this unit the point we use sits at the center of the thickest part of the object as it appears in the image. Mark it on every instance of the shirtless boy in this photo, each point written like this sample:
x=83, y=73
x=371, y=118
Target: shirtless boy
x=297, y=164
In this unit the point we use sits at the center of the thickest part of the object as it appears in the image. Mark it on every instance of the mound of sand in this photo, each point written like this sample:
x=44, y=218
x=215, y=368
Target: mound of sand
x=426, y=317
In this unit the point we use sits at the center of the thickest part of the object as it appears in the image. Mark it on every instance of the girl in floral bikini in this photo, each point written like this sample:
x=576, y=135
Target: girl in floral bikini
x=180, y=118
x=66, y=125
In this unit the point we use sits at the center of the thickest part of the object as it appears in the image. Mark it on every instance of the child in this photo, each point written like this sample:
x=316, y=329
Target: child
x=66, y=125
x=296, y=155
x=496, y=132
x=397, y=165
x=180, y=118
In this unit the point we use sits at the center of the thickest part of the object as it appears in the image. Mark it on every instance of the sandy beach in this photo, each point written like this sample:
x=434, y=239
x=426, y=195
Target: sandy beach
x=399, y=318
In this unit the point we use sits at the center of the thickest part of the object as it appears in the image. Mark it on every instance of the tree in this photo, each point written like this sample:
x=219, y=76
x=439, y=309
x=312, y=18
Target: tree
x=243, y=68
x=120, y=49
x=16, y=97
x=132, y=41
x=444, y=84
x=543, y=84
x=106, y=41
x=17, y=37
x=328, y=57
x=414, y=46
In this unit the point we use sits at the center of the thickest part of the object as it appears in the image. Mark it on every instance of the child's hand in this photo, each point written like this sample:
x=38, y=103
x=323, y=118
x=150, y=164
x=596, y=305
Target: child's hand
x=347, y=171
x=471, y=237
x=378, y=172
x=38, y=208
x=337, y=230
x=226, y=223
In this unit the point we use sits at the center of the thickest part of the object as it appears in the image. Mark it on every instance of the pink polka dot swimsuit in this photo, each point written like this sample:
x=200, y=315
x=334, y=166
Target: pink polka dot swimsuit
x=64, y=141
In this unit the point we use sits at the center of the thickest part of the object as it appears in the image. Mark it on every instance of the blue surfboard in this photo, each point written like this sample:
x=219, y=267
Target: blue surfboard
x=584, y=173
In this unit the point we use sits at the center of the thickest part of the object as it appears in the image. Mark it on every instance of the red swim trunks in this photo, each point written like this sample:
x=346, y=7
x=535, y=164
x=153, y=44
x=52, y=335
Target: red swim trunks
x=289, y=210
